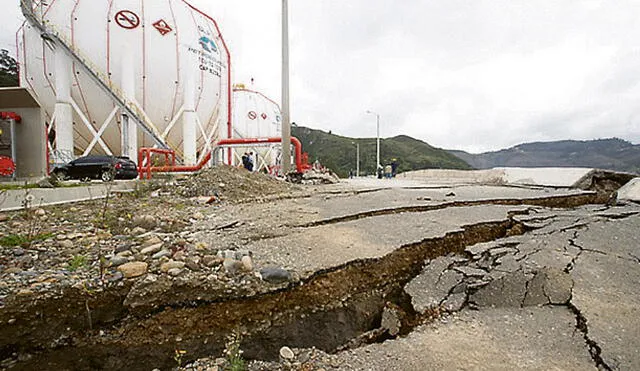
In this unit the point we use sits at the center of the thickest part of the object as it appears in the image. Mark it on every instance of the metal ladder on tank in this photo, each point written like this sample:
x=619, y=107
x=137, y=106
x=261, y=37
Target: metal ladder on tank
x=129, y=108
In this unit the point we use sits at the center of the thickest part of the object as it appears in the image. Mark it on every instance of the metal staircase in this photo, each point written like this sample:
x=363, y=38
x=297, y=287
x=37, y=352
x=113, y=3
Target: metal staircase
x=131, y=109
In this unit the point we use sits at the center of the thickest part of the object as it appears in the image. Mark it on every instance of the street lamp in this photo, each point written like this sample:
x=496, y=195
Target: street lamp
x=377, y=140
x=357, y=158
x=286, y=121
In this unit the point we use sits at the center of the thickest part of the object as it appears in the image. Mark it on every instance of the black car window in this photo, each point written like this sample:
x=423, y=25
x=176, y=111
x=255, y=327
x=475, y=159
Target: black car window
x=92, y=159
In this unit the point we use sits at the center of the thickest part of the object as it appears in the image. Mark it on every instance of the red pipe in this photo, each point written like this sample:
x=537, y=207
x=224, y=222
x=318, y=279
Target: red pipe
x=232, y=141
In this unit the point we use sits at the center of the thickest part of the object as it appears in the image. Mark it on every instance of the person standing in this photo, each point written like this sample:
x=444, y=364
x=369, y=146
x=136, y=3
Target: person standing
x=394, y=167
x=250, y=162
x=245, y=161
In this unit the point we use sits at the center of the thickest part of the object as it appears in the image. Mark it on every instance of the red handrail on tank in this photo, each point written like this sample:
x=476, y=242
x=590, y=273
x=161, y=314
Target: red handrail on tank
x=145, y=153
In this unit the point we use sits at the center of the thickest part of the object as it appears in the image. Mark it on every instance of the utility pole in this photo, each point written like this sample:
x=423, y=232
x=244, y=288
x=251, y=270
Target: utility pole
x=286, y=115
x=357, y=158
x=377, y=139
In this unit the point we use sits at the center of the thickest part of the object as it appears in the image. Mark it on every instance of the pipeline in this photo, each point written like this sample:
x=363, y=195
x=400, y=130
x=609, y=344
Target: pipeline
x=145, y=153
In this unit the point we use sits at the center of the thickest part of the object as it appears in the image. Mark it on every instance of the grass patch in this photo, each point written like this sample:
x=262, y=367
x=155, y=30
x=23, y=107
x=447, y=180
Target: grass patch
x=23, y=240
x=76, y=262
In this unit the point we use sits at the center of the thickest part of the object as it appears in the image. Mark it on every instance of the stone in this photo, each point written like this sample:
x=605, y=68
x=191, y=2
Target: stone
x=115, y=277
x=122, y=248
x=118, y=260
x=232, y=266
x=227, y=254
x=247, y=263
x=161, y=254
x=152, y=240
x=180, y=255
x=174, y=272
x=4, y=217
x=13, y=270
x=145, y=221
x=171, y=264
x=18, y=251
x=138, y=231
x=275, y=275
x=66, y=244
x=45, y=183
x=151, y=249
x=24, y=292
x=211, y=261
x=133, y=269
x=193, y=263
x=40, y=212
x=287, y=353
x=391, y=320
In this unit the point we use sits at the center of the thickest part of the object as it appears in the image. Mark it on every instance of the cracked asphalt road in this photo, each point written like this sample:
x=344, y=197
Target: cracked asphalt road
x=564, y=296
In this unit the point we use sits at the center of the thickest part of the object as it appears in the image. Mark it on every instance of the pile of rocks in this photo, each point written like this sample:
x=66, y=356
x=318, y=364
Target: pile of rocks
x=228, y=183
x=315, y=177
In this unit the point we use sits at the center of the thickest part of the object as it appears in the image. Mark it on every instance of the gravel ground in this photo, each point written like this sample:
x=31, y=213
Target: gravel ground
x=100, y=243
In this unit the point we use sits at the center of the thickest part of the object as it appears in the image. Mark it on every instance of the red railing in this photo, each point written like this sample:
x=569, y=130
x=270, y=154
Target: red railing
x=145, y=168
x=144, y=160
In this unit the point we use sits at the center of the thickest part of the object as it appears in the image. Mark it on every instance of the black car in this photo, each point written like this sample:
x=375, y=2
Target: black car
x=106, y=168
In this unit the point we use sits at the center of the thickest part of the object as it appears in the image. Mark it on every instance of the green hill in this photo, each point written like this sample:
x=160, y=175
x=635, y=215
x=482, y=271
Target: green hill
x=338, y=153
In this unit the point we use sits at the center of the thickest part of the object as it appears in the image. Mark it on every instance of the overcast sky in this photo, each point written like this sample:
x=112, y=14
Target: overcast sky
x=475, y=75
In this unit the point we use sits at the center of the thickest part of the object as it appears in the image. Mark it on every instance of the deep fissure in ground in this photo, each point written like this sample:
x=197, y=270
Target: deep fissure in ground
x=328, y=310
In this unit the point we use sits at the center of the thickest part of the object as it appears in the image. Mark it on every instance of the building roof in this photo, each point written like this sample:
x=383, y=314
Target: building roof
x=16, y=98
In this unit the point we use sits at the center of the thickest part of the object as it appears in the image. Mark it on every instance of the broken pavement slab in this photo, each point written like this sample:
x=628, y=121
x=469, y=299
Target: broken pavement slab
x=433, y=286
x=630, y=191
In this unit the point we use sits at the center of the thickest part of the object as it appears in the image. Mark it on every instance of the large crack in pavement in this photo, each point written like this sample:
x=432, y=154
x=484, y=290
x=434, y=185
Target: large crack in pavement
x=594, y=349
x=566, y=201
x=54, y=332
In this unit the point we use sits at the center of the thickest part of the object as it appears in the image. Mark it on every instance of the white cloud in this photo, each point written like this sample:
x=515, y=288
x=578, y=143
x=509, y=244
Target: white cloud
x=474, y=75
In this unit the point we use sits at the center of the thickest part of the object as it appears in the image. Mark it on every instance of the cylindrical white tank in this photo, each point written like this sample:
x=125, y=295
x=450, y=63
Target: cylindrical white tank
x=256, y=116
x=149, y=52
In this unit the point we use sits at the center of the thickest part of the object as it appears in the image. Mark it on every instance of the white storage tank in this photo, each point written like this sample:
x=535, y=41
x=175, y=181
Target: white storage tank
x=256, y=116
x=166, y=59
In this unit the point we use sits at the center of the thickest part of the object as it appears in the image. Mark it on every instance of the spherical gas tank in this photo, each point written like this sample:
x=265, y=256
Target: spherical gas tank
x=256, y=116
x=165, y=57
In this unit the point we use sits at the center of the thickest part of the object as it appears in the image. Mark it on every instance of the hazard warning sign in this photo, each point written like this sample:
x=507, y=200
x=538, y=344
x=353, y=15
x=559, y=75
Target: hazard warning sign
x=127, y=19
x=163, y=27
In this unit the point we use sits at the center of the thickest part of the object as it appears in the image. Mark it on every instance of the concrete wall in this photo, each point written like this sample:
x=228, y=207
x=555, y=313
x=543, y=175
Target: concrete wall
x=491, y=176
x=30, y=143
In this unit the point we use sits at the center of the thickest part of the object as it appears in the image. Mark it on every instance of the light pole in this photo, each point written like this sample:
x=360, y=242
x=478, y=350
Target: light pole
x=357, y=158
x=286, y=121
x=377, y=140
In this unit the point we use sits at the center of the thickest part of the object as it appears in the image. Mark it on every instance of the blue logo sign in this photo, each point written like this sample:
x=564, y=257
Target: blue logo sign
x=208, y=44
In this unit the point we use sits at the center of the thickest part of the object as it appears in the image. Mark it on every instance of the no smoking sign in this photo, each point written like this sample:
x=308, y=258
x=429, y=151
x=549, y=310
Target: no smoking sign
x=127, y=19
